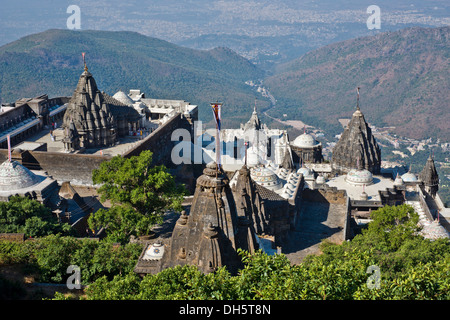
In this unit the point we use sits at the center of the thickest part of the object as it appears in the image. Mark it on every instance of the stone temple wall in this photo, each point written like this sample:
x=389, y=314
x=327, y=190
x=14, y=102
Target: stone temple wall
x=326, y=195
x=159, y=141
x=77, y=168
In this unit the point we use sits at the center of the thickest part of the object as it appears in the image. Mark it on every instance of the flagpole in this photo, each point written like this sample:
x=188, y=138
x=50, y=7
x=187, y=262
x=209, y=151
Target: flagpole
x=8, y=137
x=216, y=108
x=246, y=145
x=357, y=98
x=84, y=61
x=217, y=150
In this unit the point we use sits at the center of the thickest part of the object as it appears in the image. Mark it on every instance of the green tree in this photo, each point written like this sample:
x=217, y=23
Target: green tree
x=53, y=256
x=391, y=226
x=50, y=256
x=24, y=215
x=139, y=193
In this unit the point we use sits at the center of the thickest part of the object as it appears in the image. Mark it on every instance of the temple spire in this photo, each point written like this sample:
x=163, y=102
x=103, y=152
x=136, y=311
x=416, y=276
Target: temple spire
x=8, y=137
x=356, y=141
x=357, y=99
x=84, y=61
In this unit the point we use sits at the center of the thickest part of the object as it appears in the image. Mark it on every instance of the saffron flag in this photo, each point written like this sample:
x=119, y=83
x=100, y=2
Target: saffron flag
x=216, y=108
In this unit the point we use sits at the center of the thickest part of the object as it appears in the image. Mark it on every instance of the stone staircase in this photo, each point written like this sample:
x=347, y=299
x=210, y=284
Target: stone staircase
x=420, y=211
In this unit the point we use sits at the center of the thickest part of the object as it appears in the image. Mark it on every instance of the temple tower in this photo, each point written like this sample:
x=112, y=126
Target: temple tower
x=209, y=236
x=357, y=144
x=430, y=177
x=89, y=114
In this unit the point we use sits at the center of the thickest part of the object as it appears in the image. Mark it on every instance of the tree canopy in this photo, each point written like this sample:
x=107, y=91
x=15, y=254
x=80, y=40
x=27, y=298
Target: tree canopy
x=24, y=215
x=139, y=192
x=410, y=267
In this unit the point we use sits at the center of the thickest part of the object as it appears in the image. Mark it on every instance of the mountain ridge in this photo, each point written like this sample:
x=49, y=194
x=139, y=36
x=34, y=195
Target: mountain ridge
x=404, y=78
x=50, y=62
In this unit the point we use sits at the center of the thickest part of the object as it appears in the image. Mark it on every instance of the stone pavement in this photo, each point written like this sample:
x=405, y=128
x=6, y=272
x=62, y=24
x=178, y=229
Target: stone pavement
x=317, y=221
x=124, y=144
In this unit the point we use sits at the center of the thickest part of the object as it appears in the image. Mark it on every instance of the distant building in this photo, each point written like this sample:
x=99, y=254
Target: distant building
x=306, y=149
x=62, y=140
x=94, y=119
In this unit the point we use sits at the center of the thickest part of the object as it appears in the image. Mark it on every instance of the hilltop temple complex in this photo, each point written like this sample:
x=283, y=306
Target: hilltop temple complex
x=285, y=198
x=57, y=142
x=269, y=192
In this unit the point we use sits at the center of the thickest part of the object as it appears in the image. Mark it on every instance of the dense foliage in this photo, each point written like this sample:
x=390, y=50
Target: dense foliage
x=49, y=257
x=411, y=267
x=139, y=192
x=24, y=215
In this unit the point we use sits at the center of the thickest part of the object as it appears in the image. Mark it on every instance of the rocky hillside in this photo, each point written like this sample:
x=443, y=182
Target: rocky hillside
x=51, y=62
x=404, y=78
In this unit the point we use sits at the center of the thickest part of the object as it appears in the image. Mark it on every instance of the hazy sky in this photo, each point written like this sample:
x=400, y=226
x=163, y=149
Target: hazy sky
x=176, y=20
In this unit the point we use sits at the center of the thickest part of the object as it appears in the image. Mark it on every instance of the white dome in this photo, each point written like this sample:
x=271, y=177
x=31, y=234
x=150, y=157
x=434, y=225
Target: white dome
x=305, y=141
x=154, y=252
x=320, y=179
x=398, y=181
x=409, y=177
x=306, y=172
x=122, y=97
x=265, y=177
x=14, y=176
x=359, y=177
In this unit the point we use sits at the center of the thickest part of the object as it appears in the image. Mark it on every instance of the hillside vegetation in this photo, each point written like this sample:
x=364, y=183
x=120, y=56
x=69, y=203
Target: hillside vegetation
x=404, y=78
x=51, y=62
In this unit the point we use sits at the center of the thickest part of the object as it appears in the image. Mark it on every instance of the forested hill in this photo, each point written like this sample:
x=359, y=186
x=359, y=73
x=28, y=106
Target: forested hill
x=51, y=62
x=404, y=78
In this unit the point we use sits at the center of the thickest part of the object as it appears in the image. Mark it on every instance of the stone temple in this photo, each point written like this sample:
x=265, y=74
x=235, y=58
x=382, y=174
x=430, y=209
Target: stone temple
x=306, y=149
x=95, y=119
x=356, y=147
x=209, y=236
x=61, y=140
x=274, y=194
x=281, y=197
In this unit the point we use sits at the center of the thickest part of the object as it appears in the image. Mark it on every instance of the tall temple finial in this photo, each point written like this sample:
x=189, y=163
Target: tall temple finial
x=246, y=146
x=84, y=61
x=254, y=109
x=8, y=137
x=357, y=98
x=216, y=108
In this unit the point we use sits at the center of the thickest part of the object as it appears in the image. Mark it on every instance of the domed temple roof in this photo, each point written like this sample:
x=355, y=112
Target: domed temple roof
x=305, y=140
x=398, y=181
x=409, y=177
x=306, y=172
x=357, y=143
x=14, y=176
x=265, y=177
x=359, y=177
x=429, y=174
x=123, y=97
